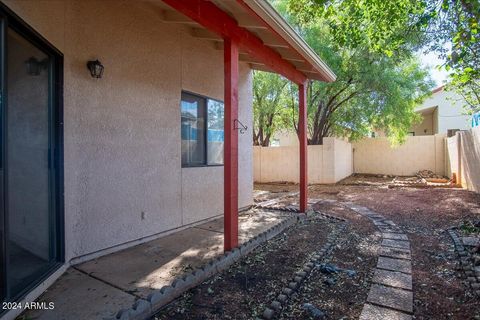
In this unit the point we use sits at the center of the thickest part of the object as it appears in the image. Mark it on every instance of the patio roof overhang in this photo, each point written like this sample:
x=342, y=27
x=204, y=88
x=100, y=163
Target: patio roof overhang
x=253, y=32
x=266, y=41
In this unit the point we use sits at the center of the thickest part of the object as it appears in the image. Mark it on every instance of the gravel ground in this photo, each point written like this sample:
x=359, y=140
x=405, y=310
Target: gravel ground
x=341, y=295
x=242, y=291
x=440, y=290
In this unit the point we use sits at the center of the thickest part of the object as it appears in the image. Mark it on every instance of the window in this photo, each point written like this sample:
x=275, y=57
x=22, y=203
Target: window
x=202, y=130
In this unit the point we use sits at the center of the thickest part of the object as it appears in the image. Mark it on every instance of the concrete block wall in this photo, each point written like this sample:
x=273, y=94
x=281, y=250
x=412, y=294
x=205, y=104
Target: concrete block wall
x=377, y=156
x=463, y=152
x=327, y=163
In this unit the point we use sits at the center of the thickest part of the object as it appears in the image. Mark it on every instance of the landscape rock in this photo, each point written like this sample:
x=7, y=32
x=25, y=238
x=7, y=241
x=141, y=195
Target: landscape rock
x=314, y=312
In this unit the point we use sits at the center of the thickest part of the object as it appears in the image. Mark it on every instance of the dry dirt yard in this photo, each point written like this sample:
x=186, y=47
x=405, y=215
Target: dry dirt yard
x=440, y=289
x=424, y=213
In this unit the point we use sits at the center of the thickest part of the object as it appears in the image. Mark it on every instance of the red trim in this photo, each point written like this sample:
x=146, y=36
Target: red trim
x=216, y=20
x=438, y=89
x=269, y=27
x=231, y=146
x=302, y=136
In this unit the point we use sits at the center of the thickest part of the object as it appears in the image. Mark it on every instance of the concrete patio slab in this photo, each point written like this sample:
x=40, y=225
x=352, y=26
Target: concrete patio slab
x=77, y=296
x=395, y=253
x=97, y=289
x=391, y=297
x=394, y=236
x=249, y=224
x=393, y=264
x=396, y=243
x=371, y=312
x=393, y=279
x=152, y=265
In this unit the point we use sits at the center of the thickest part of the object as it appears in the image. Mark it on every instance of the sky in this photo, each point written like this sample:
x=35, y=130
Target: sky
x=430, y=61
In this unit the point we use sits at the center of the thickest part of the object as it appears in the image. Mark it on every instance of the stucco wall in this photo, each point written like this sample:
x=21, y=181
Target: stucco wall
x=377, y=156
x=450, y=113
x=123, y=175
x=327, y=163
x=343, y=159
x=426, y=127
x=464, y=158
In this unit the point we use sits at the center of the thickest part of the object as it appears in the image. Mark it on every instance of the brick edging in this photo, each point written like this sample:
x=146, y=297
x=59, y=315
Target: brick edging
x=393, y=240
x=145, y=308
x=282, y=299
x=465, y=265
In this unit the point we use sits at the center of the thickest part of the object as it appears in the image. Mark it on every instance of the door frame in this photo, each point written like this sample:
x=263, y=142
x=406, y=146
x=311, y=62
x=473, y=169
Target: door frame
x=8, y=19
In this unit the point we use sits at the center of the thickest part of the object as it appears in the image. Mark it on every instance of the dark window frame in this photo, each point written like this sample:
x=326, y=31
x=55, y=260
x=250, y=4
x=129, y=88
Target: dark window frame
x=9, y=19
x=205, y=131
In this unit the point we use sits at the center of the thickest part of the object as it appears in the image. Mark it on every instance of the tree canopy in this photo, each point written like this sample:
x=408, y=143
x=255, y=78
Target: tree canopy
x=454, y=23
x=379, y=82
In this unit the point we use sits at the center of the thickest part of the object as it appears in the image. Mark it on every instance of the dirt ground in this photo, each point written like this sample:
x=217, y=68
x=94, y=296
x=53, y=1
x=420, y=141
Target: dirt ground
x=423, y=212
x=243, y=291
x=440, y=290
x=340, y=295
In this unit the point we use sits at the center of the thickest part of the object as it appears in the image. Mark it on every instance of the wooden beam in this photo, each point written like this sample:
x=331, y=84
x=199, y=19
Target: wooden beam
x=302, y=136
x=171, y=16
x=246, y=58
x=205, y=34
x=230, y=167
x=213, y=18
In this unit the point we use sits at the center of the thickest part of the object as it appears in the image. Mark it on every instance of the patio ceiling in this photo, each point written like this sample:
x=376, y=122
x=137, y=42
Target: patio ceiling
x=262, y=21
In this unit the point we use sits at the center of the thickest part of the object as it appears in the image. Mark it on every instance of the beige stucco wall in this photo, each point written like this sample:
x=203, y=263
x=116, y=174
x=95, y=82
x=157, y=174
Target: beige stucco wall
x=464, y=158
x=449, y=111
x=377, y=156
x=122, y=132
x=343, y=159
x=327, y=163
x=426, y=127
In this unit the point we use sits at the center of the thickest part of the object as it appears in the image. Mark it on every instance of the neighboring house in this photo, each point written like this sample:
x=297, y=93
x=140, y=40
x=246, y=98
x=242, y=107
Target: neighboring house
x=442, y=113
x=98, y=159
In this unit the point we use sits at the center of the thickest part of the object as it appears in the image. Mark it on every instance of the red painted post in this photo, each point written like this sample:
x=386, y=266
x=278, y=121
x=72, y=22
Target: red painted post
x=302, y=136
x=231, y=145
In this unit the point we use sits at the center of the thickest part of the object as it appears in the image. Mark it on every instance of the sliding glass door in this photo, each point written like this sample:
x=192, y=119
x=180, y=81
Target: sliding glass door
x=31, y=158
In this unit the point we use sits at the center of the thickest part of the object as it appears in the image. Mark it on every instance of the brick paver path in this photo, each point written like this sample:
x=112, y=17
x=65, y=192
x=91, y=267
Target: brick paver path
x=391, y=295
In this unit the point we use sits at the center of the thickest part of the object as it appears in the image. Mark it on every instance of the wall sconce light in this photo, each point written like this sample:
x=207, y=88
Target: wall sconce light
x=96, y=68
x=35, y=66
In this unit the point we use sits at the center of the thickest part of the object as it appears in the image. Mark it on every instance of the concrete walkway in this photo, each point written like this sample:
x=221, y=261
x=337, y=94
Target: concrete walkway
x=99, y=288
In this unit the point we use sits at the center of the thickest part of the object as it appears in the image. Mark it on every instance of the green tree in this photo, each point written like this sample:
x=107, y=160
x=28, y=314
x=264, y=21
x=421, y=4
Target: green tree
x=379, y=82
x=454, y=24
x=269, y=109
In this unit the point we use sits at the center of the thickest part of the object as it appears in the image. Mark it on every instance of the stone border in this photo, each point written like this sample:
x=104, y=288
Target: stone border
x=145, y=308
x=296, y=210
x=390, y=295
x=466, y=265
x=282, y=299
x=274, y=206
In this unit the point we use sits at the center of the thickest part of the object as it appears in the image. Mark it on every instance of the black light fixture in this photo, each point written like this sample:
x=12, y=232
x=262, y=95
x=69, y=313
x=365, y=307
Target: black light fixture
x=96, y=68
x=35, y=66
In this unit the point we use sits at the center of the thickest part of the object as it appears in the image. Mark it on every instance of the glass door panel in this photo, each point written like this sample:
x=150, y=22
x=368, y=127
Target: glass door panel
x=27, y=152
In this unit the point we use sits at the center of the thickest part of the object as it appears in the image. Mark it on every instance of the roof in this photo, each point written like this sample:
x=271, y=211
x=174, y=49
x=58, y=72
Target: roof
x=438, y=89
x=262, y=20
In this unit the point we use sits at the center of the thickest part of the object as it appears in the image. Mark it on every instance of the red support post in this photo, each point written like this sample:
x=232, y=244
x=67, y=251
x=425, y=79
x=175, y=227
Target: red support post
x=302, y=136
x=231, y=145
